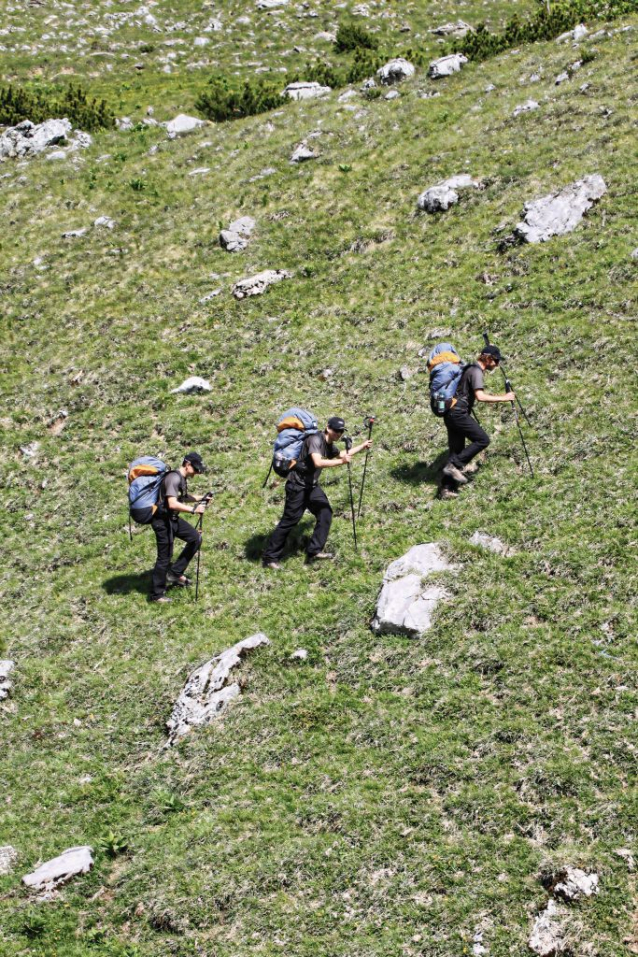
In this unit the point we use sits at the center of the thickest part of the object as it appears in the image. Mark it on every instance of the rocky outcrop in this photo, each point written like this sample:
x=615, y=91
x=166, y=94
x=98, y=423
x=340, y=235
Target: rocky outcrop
x=394, y=71
x=207, y=692
x=306, y=91
x=459, y=29
x=257, y=285
x=28, y=139
x=446, y=65
x=548, y=937
x=236, y=236
x=405, y=605
x=440, y=197
x=559, y=213
x=182, y=125
x=60, y=870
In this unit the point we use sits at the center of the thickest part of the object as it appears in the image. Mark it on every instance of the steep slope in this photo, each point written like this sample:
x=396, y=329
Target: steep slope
x=385, y=796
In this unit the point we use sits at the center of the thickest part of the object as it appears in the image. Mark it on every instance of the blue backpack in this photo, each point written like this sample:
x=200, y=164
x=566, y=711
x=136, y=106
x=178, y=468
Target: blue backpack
x=445, y=367
x=293, y=427
x=145, y=478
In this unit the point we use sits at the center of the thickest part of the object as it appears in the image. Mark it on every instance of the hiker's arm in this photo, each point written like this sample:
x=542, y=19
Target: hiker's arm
x=359, y=448
x=321, y=463
x=481, y=396
x=175, y=506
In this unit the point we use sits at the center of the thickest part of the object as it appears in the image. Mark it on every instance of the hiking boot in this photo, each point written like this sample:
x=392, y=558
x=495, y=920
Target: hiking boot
x=452, y=472
x=319, y=557
x=161, y=600
x=447, y=493
x=180, y=580
x=274, y=565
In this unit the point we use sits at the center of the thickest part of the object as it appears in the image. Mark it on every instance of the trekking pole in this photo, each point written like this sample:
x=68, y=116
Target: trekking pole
x=348, y=442
x=200, y=528
x=267, y=477
x=369, y=422
x=508, y=387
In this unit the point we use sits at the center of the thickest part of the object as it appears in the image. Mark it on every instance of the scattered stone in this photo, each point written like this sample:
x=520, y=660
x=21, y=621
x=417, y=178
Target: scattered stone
x=439, y=198
x=489, y=88
x=325, y=375
x=548, y=937
x=369, y=84
x=535, y=78
x=194, y=384
x=325, y=36
x=74, y=233
x=405, y=373
x=6, y=667
x=206, y=693
x=478, y=948
x=256, y=285
x=56, y=155
x=559, y=213
x=104, y=222
x=8, y=857
x=583, y=87
x=446, y=65
x=28, y=139
x=302, y=153
x=236, y=236
x=124, y=123
x=527, y=107
x=561, y=78
x=573, y=883
x=30, y=450
x=60, y=870
x=200, y=171
x=347, y=95
x=405, y=605
x=627, y=856
x=459, y=29
x=299, y=655
x=306, y=90
x=392, y=95
x=492, y=544
x=394, y=71
x=210, y=295
x=575, y=35
x=182, y=125
x=58, y=423
x=201, y=41
x=271, y=4
x=634, y=254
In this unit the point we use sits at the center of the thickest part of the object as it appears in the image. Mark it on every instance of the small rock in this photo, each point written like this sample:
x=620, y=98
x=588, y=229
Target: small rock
x=492, y=544
x=325, y=375
x=559, y=213
x=59, y=870
x=459, y=29
x=583, y=87
x=446, y=65
x=6, y=667
x=124, y=123
x=405, y=373
x=392, y=95
x=210, y=295
x=574, y=883
x=535, y=78
x=256, y=285
x=527, y=107
x=347, y=95
x=182, y=125
x=624, y=852
x=74, y=233
x=194, y=384
x=369, y=84
x=489, y=88
x=104, y=222
x=271, y=4
x=206, y=693
x=236, y=236
x=299, y=655
x=575, y=35
x=8, y=857
x=561, y=78
x=200, y=171
x=56, y=155
x=302, y=153
x=634, y=254
x=305, y=91
x=30, y=450
x=395, y=71
x=445, y=194
x=548, y=936
x=405, y=605
x=201, y=42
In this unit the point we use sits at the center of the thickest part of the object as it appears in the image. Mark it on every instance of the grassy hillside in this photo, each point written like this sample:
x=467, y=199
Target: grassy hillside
x=386, y=796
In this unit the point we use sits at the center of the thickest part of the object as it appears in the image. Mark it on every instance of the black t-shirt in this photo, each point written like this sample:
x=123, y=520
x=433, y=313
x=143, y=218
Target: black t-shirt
x=471, y=380
x=304, y=474
x=173, y=486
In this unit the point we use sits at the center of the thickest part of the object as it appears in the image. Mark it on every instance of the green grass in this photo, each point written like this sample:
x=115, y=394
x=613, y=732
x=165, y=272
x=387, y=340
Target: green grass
x=387, y=796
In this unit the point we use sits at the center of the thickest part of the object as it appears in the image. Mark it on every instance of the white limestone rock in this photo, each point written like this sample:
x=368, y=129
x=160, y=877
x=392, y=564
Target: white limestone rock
x=200, y=171
x=527, y=107
x=392, y=95
x=459, y=29
x=8, y=857
x=394, y=71
x=446, y=65
x=347, y=95
x=574, y=883
x=306, y=91
x=193, y=385
x=210, y=295
x=74, y=233
x=28, y=139
x=490, y=543
x=6, y=667
x=440, y=197
x=207, y=692
x=271, y=4
x=559, y=213
x=405, y=605
x=182, y=125
x=302, y=153
x=548, y=937
x=634, y=254
x=258, y=284
x=575, y=35
x=60, y=870
x=236, y=236
x=561, y=78
x=299, y=655
x=124, y=123
x=104, y=222
x=56, y=155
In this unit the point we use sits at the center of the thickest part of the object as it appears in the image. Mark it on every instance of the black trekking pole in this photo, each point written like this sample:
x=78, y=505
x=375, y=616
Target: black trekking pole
x=508, y=388
x=200, y=527
x=267, y=477
x=367, y=422
x=348, y=442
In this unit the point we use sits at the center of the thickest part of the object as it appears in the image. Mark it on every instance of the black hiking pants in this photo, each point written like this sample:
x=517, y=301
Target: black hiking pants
x=461, y=426
x=166, y=531
x=298, y=499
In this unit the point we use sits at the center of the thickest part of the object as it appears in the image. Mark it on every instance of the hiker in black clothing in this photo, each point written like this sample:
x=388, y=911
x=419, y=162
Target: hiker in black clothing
x=458, y=419
x=303, y=492
x=168, y=526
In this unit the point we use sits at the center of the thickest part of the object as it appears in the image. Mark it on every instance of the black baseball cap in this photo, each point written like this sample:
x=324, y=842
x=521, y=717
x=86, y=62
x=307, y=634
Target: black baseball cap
x=336, y=424
x=492, y=351
x=195, y=460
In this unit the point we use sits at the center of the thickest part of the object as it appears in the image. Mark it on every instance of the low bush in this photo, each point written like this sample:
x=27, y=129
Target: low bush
x=350, y=36
x=222, y=101
x=73, y=102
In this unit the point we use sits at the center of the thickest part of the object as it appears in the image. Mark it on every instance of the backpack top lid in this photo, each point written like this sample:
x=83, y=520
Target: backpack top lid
x=298, y=419
x=443, y=352
x=147, y=465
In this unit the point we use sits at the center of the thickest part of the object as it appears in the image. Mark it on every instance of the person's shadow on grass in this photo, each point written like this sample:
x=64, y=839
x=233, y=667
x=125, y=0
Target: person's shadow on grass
x=420, y=472
x=296, y=542
x=125, y=584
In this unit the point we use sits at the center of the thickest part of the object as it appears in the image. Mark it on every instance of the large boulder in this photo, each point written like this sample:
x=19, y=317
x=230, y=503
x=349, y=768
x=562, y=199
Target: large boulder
x=207, y=692
x=440, y=197
x=28, y=139
x=405, y=605
x=394, y=71
x=256, y=285
x=6, y=667
x=60, y=870
x=446, y=65
x=182, y=125
x=559, y=213
x=235, y=237
x=305, y=91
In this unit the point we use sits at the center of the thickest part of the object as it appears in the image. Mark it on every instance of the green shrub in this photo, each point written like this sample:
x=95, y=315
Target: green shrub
x=222, y=101
x=350, y=36
x=73, y=102
x=364, y=64
x=321, y=71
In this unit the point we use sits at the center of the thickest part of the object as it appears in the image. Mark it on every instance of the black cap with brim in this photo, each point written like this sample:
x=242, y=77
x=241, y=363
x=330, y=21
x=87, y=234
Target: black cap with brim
x=492, y=351
x=336, y=424
x=195, y=459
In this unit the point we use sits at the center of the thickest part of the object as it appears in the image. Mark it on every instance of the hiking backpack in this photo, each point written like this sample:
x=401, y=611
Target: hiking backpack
x=293, y=427
x=145, y=478
x=445, y=367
